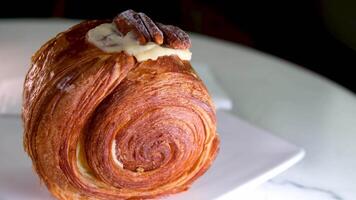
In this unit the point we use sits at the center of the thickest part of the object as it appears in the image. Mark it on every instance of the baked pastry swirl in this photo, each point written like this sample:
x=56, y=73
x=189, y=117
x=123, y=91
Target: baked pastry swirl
x=103, y=125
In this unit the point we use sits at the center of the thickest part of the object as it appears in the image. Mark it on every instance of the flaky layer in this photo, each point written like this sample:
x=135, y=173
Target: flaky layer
x=103, y=126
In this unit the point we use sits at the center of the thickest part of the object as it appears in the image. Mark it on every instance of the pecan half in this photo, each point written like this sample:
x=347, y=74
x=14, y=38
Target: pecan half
x=175, y=37
x=130, y=21
x=146, y=30
x=155, y=33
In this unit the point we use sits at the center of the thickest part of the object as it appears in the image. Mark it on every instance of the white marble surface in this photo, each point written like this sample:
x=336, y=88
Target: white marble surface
x=291, y=102
x=297, y=105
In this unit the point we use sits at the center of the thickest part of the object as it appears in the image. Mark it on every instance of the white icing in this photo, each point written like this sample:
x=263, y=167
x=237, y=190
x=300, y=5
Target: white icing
x=109, y=39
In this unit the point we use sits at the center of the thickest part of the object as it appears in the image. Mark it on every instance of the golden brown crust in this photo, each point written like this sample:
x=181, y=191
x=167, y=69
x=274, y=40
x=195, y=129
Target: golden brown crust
x=79, y=102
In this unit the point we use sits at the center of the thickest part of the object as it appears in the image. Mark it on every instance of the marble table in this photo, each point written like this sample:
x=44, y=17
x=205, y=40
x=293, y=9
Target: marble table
x=287, y=100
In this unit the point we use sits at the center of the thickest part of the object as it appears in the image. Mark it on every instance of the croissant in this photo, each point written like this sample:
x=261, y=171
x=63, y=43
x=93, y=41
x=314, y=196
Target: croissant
x=103, y=120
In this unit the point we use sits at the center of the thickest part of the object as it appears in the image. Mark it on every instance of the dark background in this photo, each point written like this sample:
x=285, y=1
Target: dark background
x=317, y=34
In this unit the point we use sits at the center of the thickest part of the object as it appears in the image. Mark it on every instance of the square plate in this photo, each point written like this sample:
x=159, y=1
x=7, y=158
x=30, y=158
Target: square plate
x=248, y=157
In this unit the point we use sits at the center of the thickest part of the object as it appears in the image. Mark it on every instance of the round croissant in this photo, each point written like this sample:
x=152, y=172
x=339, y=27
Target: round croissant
x=102, y=125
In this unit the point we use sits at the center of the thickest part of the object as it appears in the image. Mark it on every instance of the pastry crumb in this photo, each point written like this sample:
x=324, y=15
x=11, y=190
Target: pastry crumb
x=140, y=169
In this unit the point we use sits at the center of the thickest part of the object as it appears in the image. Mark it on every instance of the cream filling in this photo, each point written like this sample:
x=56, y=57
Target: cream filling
x=113, y=155
x=81, y=163
x=107, y=38
x=83, y=166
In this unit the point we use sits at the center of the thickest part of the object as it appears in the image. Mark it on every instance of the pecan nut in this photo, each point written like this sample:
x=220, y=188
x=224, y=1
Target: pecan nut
x=155, y=33
x=175, y=37
x=130, y=21
x=146, y=30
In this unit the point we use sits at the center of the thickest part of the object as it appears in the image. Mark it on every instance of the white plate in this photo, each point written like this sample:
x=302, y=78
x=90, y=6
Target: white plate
x=248, y=157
